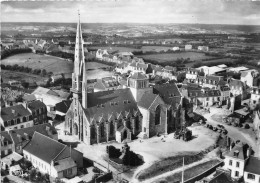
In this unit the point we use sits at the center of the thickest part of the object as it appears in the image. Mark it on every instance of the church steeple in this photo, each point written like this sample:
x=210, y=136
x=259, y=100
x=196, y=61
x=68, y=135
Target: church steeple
x=79, y=59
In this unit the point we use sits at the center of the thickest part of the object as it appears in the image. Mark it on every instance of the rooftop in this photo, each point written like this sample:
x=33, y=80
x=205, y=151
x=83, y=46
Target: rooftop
x=13, y=112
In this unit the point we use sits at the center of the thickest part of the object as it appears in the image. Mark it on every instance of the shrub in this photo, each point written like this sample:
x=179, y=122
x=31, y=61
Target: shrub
x=246, y=126
x=113, y=152
x=6, y=180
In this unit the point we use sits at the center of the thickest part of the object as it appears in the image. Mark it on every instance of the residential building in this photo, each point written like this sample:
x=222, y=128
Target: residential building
x=61, y=109
x=16, y=117
x=256, y=123
x=52, y=157
x=7, y=145
x=107, y=83
x=235, y=160
x=188, y=47
x=247, y=77
x=237, y=88
x=225, y=94
x=100, y=53
x=255, y=97
x=39, y=112
x=176, y=48
x=203, y=48
x=211, y=70
x=252, y=170
x=210, y=81
x=191, y=75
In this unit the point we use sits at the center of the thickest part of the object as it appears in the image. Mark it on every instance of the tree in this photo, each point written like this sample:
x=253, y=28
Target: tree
x=32, y=175
x=6, y=180
x=43, y=72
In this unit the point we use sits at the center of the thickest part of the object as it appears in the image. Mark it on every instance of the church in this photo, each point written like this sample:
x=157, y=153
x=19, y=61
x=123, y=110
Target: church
x=123, y=114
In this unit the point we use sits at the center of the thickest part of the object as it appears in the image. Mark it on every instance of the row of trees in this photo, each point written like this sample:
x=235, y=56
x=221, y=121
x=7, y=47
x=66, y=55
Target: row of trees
x=7, y=53
x=16, y=67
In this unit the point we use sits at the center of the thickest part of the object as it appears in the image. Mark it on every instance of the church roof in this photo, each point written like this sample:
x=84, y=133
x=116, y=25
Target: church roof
x=109, y=105
x=169, y=93
x=147, y=100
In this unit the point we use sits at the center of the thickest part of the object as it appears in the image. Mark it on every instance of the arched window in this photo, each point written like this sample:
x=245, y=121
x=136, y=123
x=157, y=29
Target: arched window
x=157, y=117
x=102, y=130
x=12, y=122
x=111, y=128
x=136, y=124
x=93, y=132
x=18, y=121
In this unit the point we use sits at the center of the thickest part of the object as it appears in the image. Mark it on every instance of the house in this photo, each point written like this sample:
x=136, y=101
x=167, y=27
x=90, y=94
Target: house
x=210, y=81
x=39, y=112
x=56, y=77
x=52, y=48
x=248, y=76
x=176, y=48
x=211, y=70
x=255, y=97
x=252, y=170
x=225, y=94
x=238, y=69
x=188, y=47
x=50, y=97
x=61, y=109
x=100, y=53
x=52, y=157
x=237, y=87
x=191, y=75
x=203, y=48
x=122, y=68
x=7, y=161
x=21, y=137
x=42, y=43
x=140, y=67
x=7, y=145
x=16, y=117
x=236, y=159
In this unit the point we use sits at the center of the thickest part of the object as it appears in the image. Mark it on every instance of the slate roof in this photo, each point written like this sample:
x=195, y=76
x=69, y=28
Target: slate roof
x=41, y=128
x=221, y=178
x=44, y=147
x=241, y=149
x=37, y=104
x=6, y=136
x=65, y=164
x=109, y=105
x=147, y=100
x=236, y=83
x=206, y=93
x=19, y=111
x=138, y=75
x=169, y=93
x=29, y=98
x=253, y=165
x=63, y=106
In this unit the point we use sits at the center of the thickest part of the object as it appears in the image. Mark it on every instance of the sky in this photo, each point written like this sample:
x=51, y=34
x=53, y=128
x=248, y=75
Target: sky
x=242, y=12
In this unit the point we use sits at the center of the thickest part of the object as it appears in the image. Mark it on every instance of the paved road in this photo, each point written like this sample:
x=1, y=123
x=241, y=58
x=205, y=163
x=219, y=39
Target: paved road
x=233, y=132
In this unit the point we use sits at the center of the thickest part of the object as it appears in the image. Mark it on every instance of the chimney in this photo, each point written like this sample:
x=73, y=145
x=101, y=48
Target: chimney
x=13, y=111
x=19, y=138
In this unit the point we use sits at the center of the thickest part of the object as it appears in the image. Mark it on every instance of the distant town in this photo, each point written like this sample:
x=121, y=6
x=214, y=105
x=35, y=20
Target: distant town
x=84, y=103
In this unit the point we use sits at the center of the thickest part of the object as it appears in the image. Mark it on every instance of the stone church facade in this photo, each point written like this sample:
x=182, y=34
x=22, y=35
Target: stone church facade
x=122, y=114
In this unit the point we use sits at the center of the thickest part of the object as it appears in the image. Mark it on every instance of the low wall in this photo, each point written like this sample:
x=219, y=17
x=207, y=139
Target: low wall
x=204, y=174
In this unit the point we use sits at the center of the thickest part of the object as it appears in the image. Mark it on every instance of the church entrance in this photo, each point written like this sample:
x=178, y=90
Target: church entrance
x=75, y=129
x=125, y=135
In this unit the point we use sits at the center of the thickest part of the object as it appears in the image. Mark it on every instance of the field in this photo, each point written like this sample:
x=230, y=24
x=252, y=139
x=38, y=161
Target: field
x=130, y=49
x=50, y=64
x=194, y=56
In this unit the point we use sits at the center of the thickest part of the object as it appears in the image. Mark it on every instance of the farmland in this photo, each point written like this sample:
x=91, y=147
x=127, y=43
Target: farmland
x=49, y=63
x=194, y=56
x=131, y=49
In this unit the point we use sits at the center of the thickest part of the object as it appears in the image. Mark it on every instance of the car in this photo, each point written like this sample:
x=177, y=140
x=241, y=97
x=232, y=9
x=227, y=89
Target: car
x=219, y=130
x=214, y=128
x=224, y=131
x=229, y=123
x=234, y=124
x=210, y=127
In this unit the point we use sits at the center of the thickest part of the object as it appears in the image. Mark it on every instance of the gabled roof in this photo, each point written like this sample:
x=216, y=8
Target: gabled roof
x=13, y=112
x=221, y=178
x=44, y=147
x=63, y=106
x=253, y=165
x=29, y=98
x=239, y=151
x=147, y=100
x=236, y=83
x=169, y=93
x=107, y=105
x=6, y=136
x=41, y=128
x=37, y=104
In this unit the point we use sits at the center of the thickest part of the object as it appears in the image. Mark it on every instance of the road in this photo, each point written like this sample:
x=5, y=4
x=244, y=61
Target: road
x=233, y=132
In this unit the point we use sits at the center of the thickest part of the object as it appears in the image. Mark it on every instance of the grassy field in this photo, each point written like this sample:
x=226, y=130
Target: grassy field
x=191, y=172
x=167, y=165
x=194, y=56
x=49, y=63
x=20, y=76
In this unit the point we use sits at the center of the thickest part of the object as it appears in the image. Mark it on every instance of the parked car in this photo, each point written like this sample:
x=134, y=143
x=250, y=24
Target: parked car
x=210, y=127
x=214, y=128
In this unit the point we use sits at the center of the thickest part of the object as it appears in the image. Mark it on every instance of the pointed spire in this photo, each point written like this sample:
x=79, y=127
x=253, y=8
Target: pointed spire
x=79, y=50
